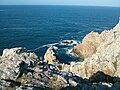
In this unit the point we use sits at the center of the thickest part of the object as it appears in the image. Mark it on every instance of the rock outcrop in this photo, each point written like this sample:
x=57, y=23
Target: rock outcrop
x=101, y=52
x=19, y=68
x=50, y=55
x=88, y=46
x=22, y=70
x=94, y=40
x=14, y=60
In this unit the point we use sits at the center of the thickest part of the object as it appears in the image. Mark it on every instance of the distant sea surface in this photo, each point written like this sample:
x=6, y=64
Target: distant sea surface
x=37, y=27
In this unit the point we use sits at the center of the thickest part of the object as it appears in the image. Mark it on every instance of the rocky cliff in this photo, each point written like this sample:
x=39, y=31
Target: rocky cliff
x=101, y=52
x=23, y=70
x=100, y=69
x=94, y=42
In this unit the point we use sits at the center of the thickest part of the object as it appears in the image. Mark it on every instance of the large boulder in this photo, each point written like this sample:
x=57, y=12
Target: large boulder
x=51, y=56
x=14, y=61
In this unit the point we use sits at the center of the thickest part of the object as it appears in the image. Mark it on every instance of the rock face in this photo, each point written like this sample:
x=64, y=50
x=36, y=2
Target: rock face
x=101, y=52
x=22, y=70
x=93, y=41
x=25, y=69
x=88, y=46
x=50, y=55
x=14, y=60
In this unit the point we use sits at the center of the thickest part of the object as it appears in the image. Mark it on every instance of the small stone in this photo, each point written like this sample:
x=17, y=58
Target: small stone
x=72, y=83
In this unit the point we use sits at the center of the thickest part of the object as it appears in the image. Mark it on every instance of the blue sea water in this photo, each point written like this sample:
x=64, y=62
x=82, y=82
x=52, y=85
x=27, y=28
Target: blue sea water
x=38, y=26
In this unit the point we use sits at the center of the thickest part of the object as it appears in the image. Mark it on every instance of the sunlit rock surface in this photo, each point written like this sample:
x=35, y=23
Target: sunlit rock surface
x=21, y=70
x=101, y=52
x=50, y=55
x=94, y=41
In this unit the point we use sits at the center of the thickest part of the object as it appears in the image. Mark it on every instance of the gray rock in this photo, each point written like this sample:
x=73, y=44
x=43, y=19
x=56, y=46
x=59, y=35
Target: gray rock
x=15, y=60
x=72, y=82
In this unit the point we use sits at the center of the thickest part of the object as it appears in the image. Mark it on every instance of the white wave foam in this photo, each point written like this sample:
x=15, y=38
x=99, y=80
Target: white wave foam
x=47, y=45
x=64, y=35
x=68, y=51
x=98, y=29
x=55, y=47
x=105, y=27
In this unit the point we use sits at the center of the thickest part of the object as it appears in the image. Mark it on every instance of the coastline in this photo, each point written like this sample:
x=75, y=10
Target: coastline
x=100, y=69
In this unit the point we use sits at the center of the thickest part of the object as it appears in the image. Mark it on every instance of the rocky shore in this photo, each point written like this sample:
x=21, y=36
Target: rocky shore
x=100, y=52
x=99, y=70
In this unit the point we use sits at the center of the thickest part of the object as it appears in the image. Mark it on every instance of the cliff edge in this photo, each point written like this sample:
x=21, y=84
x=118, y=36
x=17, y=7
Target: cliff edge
x=101, y=52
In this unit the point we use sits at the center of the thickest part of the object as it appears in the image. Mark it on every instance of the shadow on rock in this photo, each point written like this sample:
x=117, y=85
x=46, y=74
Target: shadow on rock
x=98, y=81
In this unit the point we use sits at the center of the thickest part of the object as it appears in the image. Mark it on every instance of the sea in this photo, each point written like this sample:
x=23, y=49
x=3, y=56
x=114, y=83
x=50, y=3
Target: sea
x=37, y=27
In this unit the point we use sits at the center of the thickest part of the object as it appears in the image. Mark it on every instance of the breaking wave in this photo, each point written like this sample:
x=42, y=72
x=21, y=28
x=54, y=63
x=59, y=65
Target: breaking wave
x=47, y=45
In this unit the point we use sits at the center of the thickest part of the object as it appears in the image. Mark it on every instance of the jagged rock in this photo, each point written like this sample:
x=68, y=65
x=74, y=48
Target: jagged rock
x=93, y=41
x=4, y=85
x=19, y=66
x=14, y=61
x=88, y=46
x=101, y=52
x=33, y=73
x=50, y=55
x=102, y=77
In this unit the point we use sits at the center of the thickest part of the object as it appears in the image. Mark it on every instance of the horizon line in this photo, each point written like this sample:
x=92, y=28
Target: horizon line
x=53, y=5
